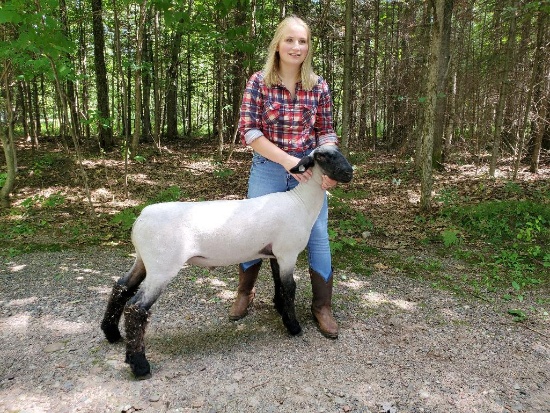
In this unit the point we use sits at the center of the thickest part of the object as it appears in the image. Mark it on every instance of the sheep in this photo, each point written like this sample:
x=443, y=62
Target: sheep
x=167, y=236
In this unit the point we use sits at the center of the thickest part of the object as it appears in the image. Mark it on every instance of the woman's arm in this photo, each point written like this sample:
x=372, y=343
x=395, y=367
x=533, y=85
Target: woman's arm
x=269, y=150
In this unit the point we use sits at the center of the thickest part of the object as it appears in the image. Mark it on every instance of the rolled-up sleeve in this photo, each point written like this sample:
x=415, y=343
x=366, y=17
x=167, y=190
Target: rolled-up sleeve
x=324, y=128
x=251, y=111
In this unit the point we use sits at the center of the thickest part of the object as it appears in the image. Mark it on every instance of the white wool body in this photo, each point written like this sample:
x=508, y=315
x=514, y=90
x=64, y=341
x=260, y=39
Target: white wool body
x=169, y=235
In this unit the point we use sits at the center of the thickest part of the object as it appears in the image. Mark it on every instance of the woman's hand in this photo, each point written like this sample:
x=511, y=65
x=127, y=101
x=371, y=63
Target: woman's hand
x=290, y=163
x=328, y=183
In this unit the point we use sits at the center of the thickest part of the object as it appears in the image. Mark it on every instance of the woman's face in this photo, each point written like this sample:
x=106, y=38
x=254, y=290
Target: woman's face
x=293, y=47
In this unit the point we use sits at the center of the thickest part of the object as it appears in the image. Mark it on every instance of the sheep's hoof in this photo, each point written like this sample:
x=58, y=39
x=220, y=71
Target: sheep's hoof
x=112, y=333
x=294, y=329
x=139, y=365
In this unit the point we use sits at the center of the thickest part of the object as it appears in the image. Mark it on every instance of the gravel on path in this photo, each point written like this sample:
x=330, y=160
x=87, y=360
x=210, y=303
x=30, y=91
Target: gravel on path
x=404, y=346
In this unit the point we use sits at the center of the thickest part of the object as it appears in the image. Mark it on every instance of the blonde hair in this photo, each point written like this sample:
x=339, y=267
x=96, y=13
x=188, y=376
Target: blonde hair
x=271, y=67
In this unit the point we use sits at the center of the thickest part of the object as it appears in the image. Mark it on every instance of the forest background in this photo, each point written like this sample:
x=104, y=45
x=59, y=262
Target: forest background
x=442, y=105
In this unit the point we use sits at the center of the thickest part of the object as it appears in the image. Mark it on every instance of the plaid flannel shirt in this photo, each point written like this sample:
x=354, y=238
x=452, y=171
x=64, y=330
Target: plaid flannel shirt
x=294, y=126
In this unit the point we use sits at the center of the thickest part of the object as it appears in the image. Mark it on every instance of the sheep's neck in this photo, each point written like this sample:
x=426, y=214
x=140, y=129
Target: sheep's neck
x=310, y=193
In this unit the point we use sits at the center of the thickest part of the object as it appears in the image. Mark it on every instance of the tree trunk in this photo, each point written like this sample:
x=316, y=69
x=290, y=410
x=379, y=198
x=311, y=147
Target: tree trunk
x=71, y=93
x=436, y=55
x=540, y=92
x=220, y=67
x=188, y=120
x=36, y=108
x=375, y=52
x=22, y=103
x=137, y=76
x=348, y=64
x=156, y=83
x=43, y=104
x=503, y=94
x=8, y=140
x=78, y=153
x=83, y=62
x=104, y=125
x=148, y=57
x=442, y=75
x=172, y=86
x=33, y=136
x=122, y=78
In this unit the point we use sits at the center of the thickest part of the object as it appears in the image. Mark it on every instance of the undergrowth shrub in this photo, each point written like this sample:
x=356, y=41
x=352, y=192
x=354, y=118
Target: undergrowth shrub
x=504, y=221
x=348, y=230
x=518, y=232
x=125, y=218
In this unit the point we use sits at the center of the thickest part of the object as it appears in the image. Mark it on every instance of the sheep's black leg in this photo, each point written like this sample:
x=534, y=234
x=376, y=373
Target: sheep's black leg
x=136, y=318
x=289, y=313
x=123, y=290
x=115, y=307
x=285, y=293
x=278, y=296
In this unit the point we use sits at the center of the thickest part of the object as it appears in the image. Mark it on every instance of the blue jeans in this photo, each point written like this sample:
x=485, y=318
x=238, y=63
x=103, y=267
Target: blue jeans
x=267, y=177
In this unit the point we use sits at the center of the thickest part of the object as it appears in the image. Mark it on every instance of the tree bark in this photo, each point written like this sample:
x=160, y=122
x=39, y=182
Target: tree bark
x=125, y=104
x=442, y=75
x=156, y=83
x=503, y=94
x=72, y=130
x=8, y=140
x=137, y=76
x=70, y=91
x=220, y=67
x=148, y=58
x=540, y=91
x=172, y=86
x=348, y=65
x=83, y=63
x=375, y=51
x=436, y=55
x=104, y=125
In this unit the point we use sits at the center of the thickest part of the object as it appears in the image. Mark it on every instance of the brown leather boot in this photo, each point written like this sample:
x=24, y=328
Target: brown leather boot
x=321, y=305
x=245, y=292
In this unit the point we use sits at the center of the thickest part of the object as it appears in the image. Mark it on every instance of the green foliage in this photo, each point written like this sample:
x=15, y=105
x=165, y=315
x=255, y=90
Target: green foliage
x=43, y=163
x=53, y=201
x=447, y=196
x=38, y=201
x=519, y=315
x=3, y=177
x=450, y=237
x=360, y=158
x=512, y=188
x=126, y=218
x=499, y=221
x=139, y=158
x=37, y=39
x=348, y=232
x=223, y=173
x=172, y=193
x=518, y=230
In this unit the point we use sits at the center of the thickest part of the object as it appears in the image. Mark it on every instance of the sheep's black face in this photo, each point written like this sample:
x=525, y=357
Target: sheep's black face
x=333, y=163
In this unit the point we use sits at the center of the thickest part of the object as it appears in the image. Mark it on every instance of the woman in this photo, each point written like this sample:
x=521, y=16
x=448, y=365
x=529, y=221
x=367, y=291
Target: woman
x=286, y=112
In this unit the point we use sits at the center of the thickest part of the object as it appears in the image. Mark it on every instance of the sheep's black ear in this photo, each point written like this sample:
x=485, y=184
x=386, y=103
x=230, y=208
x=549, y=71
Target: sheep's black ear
x=305, y=163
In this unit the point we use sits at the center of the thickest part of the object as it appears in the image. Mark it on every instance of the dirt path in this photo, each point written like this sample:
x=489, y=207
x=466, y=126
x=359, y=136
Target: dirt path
x=404, y=347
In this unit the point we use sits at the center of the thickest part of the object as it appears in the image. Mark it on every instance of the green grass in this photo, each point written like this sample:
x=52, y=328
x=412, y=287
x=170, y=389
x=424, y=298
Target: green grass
x=506, y=242
x=348, y=232
x=124, y=219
